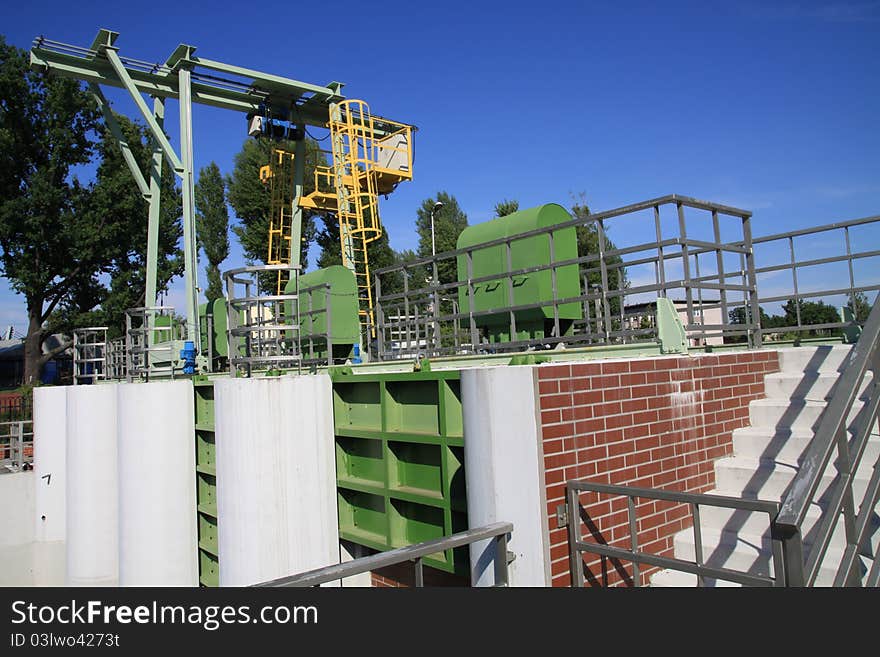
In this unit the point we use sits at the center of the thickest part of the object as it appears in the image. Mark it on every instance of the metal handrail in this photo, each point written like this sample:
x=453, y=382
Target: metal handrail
x=832, y=435
x=569, y=515
x=497, y=531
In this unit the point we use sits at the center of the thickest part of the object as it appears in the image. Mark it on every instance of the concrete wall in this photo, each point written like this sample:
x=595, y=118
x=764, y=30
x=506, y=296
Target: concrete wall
x=653, y=423
x=503, y=469
x=17, y=529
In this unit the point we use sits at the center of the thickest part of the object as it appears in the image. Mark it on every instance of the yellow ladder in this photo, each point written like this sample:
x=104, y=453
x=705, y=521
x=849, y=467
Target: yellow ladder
x=354, y=157
x=279, y=175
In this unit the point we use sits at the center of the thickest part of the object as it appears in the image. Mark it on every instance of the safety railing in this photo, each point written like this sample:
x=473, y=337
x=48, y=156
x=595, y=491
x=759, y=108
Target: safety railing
x=575, y=516
x=263, y=330
x=89, y=354
x=841, y=500
x=497, y=532
x=16, y=444
x=804, y=276
x=150, y=333
x=316, y=324
x=702, y=264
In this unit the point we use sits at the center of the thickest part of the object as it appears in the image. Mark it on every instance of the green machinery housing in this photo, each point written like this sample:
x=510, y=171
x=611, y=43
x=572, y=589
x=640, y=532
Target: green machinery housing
x=498, y=292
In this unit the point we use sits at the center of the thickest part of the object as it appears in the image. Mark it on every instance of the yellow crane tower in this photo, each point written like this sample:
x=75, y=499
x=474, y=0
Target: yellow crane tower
x=371, y=155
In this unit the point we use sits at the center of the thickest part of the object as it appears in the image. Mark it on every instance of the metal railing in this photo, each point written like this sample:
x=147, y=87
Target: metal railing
x=497, y=532
x=571, y=516
x=709, y=265
x=316, y=326
x=263, y=330
x=16, y=444
x=89, y=354
x=149, y=342
x=818, y=278
x=839, y=501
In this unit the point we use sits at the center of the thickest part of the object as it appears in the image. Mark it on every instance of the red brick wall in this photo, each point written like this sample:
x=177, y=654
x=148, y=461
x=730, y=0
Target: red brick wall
x=652, y=423
x=403, y=575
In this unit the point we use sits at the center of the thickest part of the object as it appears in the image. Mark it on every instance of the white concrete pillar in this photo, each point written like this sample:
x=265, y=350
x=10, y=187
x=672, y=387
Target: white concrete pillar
x=50, y=497
x=158, y=535
x=504, y=470
x=91, y=486
x=276, y=477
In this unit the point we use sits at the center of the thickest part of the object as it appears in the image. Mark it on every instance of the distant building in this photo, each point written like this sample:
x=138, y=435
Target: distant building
x=57, y=370
x=642, y=315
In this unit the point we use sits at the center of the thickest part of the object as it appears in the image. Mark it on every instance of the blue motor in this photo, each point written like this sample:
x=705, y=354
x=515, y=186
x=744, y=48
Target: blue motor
x=356, y=359
x=188, y=354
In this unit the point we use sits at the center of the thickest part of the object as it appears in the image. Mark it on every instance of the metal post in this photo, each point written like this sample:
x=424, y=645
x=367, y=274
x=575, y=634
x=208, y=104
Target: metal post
x=329, y=324
x=685, y=263
x=190, y=251
x=153, y=221
x=299, y=157
x=719, y=260
x=661, y=266
x=380, y=319
x=574, y=536
x=753, y=279
x=502, y=577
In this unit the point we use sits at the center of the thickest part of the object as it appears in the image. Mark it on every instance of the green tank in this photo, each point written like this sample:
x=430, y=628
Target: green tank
x=528, y=289
x=344, y=322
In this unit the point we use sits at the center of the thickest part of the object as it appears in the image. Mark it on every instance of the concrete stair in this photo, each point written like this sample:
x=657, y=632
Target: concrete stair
x=767, y=455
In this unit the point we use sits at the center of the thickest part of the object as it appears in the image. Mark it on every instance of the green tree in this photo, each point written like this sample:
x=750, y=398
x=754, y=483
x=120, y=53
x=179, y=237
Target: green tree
x=588, y=244
x=212, y=225
x=811, y=313
x=49, y=250
x=505, y=207
x=250, y=200
x=379, y=252
x=860, y=306
x=449, y=221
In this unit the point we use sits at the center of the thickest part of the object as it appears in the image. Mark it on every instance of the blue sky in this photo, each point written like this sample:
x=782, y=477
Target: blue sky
x=769, y=106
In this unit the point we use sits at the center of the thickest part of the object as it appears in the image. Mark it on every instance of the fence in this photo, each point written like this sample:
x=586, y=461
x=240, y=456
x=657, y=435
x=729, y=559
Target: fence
x=16, y=444
x=700, y=257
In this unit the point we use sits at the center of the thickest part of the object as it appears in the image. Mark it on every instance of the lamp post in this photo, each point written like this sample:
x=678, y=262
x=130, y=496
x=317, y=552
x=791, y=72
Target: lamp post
x=436, y=207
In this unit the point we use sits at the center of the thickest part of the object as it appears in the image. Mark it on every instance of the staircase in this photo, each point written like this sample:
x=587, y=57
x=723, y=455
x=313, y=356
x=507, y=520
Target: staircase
x=766, y=457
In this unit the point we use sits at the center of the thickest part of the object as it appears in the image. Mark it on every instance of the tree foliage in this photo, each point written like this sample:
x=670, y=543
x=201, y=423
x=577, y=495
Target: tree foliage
x=449, y=221
x=250, y=198
x=588, y=244
x=48, y=250
x=212, y=225
x=116, y=205
x=505, y=207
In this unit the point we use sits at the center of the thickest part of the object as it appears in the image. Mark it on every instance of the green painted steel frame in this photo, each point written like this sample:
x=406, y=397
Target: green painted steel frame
x=400, y=460
x=206, y=482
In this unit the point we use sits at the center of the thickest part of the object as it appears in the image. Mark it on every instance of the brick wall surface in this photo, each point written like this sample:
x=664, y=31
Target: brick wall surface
x=403, y=575
x=652, y=423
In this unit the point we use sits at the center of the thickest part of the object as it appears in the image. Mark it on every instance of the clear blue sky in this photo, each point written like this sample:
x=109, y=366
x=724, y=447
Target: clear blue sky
x=770, y=106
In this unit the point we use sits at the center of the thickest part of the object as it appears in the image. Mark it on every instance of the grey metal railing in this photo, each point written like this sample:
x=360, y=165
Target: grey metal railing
x=497, y=532
x=418, y=314
x=837, y=247
x=149, y=346
x=570, y=515
x=839, y=500
x=262, y=329
x=89, y=354
x=16, y=444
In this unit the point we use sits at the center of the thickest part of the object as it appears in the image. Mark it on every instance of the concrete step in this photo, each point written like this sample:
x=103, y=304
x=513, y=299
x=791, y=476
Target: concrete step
x=813, y=359
x=817, y=386
x=678, y=579
x=784, y=413
x=787, y=445
x=768, y=480
x=748, y=553
x=758, y=524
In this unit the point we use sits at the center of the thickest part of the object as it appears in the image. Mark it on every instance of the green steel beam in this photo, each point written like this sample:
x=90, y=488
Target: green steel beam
x=190, y=249
x=127, y=155
x=158, y=133
x=153, y=221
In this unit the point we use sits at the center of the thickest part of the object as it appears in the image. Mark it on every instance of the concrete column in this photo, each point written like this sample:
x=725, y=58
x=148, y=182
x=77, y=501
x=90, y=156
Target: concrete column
x=92, y=486
x=276, y=477
x=504, y=470
x=158, y=539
